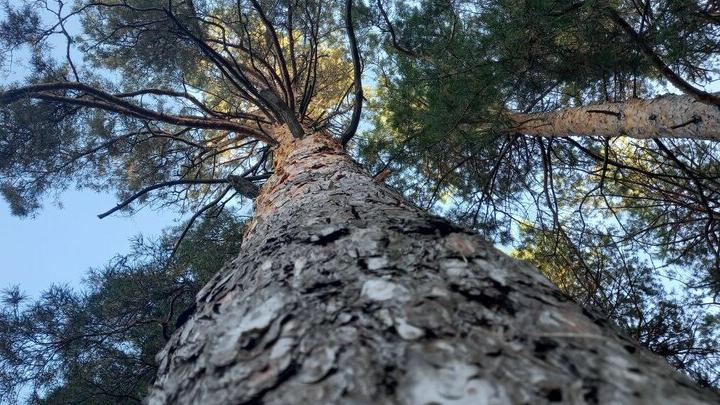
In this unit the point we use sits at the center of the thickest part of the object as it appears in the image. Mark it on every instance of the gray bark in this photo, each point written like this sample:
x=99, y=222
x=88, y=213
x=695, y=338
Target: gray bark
x=668, y=116
x=346, y=293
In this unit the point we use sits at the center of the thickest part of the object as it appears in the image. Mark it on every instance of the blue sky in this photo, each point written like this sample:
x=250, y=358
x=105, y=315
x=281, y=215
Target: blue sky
x=60, y=244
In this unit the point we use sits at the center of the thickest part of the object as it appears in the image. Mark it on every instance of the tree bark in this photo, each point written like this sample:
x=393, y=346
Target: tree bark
x=345, y=293
x=668, y=116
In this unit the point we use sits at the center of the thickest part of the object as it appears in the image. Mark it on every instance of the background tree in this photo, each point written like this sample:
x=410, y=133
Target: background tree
x=98, y=343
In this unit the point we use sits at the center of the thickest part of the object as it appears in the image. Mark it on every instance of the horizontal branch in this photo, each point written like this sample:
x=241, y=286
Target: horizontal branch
x=232, y=180
x=668, y=116
x=192, y=99
x=244, y=186
x=110, y=102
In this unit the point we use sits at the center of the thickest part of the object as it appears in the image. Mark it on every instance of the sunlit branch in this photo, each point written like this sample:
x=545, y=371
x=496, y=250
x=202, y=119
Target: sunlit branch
x=265, y=97
x=286, y=114
x=235, y=76
x=192, y=99
x=311, y=65
x=290, y=98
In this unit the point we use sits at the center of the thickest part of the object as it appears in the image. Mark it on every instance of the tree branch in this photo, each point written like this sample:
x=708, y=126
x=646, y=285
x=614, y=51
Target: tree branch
x=286, y=114
x=393, y=36
x=110, y=102
x=281, y=57
x=231, y=179
x=243, y=186
x=357, y=77
x=192, y=99
x=236, y=76
x=669, y=74
x=195, y=216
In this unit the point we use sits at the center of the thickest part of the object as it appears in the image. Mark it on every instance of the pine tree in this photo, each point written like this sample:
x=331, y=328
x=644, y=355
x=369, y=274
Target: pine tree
x=343, y=290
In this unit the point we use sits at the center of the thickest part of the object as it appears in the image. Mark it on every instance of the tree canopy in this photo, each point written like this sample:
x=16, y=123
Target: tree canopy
x=595, y=213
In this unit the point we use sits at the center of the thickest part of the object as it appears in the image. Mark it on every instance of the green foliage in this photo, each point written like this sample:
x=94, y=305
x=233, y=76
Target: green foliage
x=33, y=139
x=20, y=25
x=660, y=313
x=608, y=220
x=141, y=43
x=98, y=344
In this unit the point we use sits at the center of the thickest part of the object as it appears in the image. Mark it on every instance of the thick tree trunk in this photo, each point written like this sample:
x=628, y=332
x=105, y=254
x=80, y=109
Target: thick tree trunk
x=344, y=293
x=669, y=116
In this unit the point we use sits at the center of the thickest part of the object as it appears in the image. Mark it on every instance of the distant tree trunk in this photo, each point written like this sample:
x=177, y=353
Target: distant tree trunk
x=668, y=116
x=345, y=293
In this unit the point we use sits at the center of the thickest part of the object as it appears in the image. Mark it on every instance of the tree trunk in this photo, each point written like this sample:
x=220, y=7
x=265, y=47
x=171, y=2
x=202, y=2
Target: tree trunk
x=668, y=116
x=344, y=293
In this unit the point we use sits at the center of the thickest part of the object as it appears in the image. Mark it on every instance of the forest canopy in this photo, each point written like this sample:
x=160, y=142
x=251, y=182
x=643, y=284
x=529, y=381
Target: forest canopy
x=172, y=104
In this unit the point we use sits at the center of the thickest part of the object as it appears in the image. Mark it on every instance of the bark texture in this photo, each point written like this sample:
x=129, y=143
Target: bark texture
x=669, y=116
x=344, y=293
